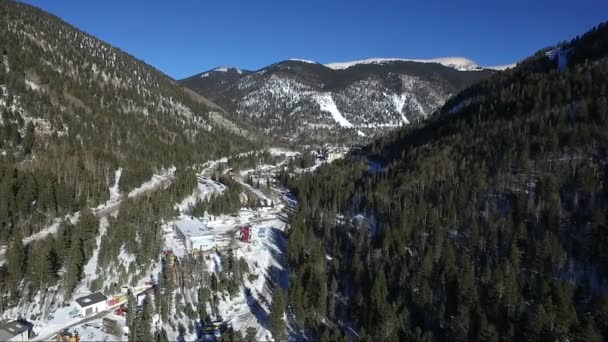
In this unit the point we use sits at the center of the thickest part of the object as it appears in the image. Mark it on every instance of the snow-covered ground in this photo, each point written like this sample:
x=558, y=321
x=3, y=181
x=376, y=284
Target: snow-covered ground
x=249, y=308
x=327, y=104
x=114, y=192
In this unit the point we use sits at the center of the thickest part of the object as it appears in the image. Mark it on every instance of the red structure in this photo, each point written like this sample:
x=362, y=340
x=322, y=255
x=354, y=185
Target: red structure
x=121, y=311
x=246, y=234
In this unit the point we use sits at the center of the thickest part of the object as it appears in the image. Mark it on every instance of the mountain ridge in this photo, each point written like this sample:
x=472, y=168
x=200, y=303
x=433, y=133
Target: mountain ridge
x=289, y=97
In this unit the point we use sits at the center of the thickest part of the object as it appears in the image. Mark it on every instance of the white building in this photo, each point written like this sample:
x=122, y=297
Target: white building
x=92, y=304
x=15, y=331
x=195, y=235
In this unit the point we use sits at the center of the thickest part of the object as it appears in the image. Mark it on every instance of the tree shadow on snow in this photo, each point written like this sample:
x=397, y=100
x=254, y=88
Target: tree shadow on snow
x=256, y=309
x=278, y=275
x=199, y=329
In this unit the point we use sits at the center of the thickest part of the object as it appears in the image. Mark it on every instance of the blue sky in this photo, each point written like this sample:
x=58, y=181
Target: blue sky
x=184, y=37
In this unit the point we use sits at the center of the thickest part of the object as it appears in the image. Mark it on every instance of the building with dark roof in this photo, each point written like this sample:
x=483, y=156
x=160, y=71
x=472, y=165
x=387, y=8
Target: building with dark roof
x=15, y=331
x=91, y=304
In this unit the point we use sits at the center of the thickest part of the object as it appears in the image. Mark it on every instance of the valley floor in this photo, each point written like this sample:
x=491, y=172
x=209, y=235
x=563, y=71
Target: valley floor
x=263, y=254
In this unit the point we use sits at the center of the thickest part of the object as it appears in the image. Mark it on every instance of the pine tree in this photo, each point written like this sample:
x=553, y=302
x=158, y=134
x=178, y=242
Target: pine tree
x=131, y=308
x=28, y=139
x=15, y=260
x=275, y=319
x=161, y=336
x=75, y=261
x=40, y=264
x=250, y=334
x=144, y=321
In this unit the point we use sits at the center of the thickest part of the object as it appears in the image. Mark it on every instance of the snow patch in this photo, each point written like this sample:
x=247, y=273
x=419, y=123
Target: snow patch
x=399, y=101
x=560, y=55
x=303, y=60
x=32, y=85
x=502, y=67
x=221, y=69
x=114, y=191
x=327, y=104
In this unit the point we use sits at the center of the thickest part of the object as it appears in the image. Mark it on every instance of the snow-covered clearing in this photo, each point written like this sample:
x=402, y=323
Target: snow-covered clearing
x=399, y=102
x=327, y=104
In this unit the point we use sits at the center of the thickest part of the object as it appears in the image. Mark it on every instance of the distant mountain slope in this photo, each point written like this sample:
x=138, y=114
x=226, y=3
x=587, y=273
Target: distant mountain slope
x=458, y=63
x=298, y=99
x=212, y=82
x=487, y=222
x=78, y=109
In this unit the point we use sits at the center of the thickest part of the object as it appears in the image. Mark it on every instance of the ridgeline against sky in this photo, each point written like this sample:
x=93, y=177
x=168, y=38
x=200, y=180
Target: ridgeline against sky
x=196, y=35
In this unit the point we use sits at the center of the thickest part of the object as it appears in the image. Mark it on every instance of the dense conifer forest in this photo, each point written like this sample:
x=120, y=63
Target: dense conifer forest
x=487, y=223
x=73, y=110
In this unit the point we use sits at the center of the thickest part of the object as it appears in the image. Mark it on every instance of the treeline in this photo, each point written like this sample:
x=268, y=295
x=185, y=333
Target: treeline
x=37, y=265
x=485, y=224
x=253, y=159
x=74, y=110
x=137, y=229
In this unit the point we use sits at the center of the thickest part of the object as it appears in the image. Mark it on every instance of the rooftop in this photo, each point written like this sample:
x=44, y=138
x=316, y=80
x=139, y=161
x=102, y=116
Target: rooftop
x=193, y=227
x=91, y=299
x=14, y=328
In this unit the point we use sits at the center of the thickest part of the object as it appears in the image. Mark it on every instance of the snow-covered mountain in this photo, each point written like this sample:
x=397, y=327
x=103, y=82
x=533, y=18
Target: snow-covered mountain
x=212, y=81
x=458, y=63
x=302, y=99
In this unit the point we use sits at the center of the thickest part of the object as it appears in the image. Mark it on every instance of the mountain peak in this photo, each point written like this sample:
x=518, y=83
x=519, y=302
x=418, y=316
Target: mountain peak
x=222, y=69
x=458, y=63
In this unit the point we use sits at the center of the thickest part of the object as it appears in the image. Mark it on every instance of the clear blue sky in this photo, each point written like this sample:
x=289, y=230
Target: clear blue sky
x=184, y=37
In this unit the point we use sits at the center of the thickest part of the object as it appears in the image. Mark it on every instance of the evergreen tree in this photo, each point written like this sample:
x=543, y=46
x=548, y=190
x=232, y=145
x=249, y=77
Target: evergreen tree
x=250, y=334
x=15, y=260
x=144, y=321
x=275, y=320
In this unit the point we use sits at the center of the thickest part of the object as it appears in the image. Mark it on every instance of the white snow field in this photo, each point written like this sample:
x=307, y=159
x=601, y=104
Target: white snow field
x=458, y=63
x=327, y=104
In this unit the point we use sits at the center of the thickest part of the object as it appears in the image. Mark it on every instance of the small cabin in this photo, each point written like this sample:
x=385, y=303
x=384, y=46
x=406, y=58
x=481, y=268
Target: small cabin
x=92, y=304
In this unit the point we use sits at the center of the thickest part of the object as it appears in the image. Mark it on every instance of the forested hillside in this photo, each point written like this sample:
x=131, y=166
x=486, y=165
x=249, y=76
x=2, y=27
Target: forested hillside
x=74, y=109
x=486, y=223
x=304, y=101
